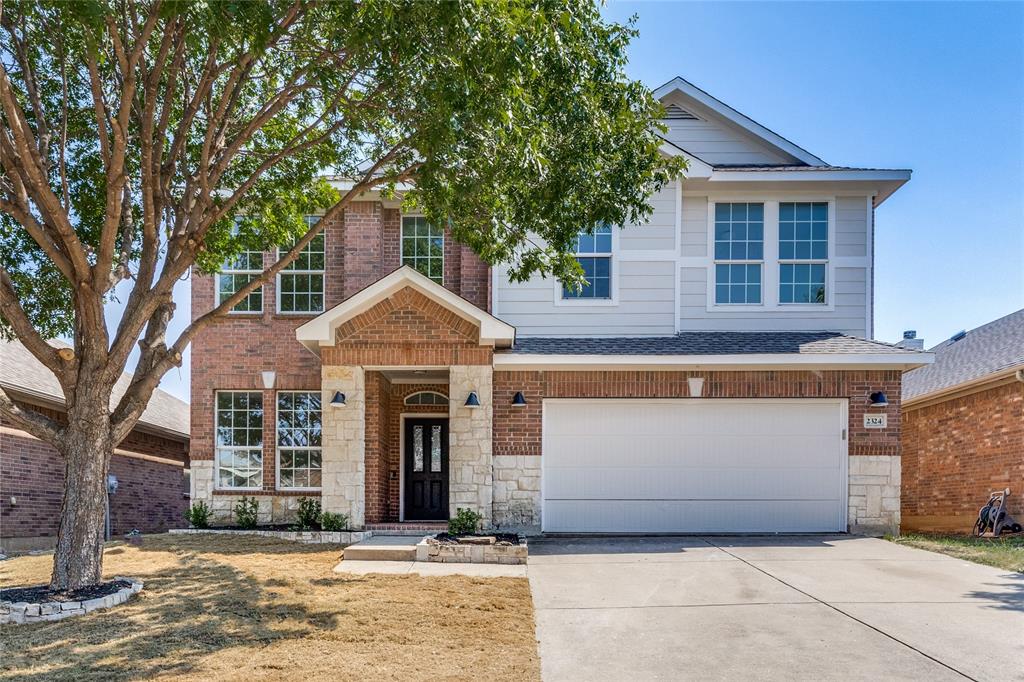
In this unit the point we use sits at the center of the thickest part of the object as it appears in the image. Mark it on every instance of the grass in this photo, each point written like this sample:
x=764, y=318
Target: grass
x=1002, y=552
x=251, y=608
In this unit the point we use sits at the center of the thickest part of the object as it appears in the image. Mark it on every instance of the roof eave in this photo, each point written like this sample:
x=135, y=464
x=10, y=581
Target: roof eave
x=979, y=382
x=743, y=361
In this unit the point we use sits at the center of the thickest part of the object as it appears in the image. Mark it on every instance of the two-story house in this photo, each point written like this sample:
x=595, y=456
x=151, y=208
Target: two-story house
x=716, y=375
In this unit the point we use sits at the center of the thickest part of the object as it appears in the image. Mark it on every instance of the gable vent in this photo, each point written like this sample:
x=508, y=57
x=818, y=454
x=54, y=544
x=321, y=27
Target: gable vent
x=674, y=112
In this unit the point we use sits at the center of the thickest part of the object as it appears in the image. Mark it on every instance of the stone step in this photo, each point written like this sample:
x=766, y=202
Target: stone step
x=364, y=551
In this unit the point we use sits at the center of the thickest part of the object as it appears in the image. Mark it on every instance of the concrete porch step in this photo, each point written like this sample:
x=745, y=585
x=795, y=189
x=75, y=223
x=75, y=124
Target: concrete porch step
x=386, y=548
x=406, y=529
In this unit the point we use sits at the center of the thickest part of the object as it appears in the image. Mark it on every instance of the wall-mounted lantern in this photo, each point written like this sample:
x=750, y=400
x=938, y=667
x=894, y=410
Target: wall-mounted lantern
x=473, y=400
x=338, y=400
x=877, y=399
x=519, y=400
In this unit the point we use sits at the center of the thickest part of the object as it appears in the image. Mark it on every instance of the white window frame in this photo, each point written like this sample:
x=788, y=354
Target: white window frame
x=233, y=271
x=401, y=244
x=613, y=280
x=278, y=448
x=715, y=262
x=770, y=269
x=322, y=273
x=444, y=399
x=217, y=447
x=779, y=262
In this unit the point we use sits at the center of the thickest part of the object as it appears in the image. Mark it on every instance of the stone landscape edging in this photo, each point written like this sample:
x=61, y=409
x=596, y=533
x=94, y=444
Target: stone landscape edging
x=21, y=613
x=306, y=537
x=452, y=553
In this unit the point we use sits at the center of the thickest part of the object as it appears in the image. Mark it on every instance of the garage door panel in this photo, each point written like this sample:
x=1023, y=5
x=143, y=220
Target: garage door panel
x=633, y=465
x=674, y=516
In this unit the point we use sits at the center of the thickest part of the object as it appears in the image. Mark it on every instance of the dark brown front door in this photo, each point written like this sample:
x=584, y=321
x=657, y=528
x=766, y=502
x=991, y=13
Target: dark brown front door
x=426, y=469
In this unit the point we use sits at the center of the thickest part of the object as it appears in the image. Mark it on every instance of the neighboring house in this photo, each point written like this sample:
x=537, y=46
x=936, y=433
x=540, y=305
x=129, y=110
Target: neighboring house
x=963, y=428
x=713, y=376
x=150, y=464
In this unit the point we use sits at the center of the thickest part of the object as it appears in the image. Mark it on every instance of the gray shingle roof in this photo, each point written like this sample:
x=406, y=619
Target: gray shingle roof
x=783, y=167
x=22, y=373
x=991, y=348
x=708, y=343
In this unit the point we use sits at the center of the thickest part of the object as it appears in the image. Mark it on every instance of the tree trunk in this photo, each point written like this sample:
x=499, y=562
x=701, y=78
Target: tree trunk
x=87, y=448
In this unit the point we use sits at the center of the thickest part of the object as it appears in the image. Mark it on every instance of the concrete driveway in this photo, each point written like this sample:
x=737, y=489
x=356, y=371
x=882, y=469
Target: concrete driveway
x=771, y=608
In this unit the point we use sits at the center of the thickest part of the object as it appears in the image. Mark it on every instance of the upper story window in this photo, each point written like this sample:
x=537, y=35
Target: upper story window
x=299, y=441
x=739, y=253
x=803, y=252
x=594, y=254
x=300, y=285
x=423, y=247
x=239, y=438
x=236, y=273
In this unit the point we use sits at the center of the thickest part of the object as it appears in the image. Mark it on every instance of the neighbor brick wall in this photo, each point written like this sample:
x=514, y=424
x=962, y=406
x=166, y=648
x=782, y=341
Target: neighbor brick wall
x=956, y=452
x=517, y=430
x=149, y=495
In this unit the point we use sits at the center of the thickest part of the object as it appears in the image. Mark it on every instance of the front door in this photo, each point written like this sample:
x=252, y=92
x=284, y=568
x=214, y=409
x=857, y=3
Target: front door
x=426, y=469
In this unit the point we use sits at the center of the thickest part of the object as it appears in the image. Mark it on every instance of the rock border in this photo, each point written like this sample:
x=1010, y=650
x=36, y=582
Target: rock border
x=471, y=554
x=23, y=613
x=306, y=537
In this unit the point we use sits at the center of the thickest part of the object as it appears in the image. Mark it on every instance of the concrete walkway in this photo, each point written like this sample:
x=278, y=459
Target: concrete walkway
x=771, y=608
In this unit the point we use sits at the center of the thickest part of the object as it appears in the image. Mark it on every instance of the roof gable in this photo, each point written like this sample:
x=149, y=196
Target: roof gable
x=322, y=330
x=744, y=139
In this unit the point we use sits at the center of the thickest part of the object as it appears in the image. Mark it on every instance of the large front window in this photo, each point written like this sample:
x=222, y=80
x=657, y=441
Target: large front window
x=239, y=433
x=803, y=252
x=423, y=247
x=298, y=439
x=300, y=284
x=594, y=254
x=739, y=253
x=236, y=273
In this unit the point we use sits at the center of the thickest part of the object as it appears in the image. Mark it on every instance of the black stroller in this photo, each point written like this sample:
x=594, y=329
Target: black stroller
x=993, y=516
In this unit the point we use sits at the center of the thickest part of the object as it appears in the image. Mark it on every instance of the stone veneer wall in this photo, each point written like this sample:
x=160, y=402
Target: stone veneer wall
x=516, y=502
x=874, y=500
x=469, y=451
x=344, y=440
x=270, y=508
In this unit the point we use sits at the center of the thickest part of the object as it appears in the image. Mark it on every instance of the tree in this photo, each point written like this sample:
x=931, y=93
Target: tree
x=143, y=138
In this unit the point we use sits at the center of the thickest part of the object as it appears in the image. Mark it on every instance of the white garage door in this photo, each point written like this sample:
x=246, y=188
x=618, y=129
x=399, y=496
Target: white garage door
x=694, y=466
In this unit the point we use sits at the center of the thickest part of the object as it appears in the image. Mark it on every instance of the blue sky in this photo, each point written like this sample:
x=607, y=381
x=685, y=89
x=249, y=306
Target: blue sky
x=935, y=87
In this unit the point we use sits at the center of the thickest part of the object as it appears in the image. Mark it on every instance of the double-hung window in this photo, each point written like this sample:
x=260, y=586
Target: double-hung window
x=803, y=252
x=739, y=253
x=298, y=439
x=239, y=435
x=236, y=273
x=423, y=247
x=594, y=254
x=300, y=285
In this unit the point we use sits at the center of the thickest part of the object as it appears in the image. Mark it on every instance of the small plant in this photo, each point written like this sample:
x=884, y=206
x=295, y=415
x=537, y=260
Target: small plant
x=198, y=515
x=308, y=514
x=331, y=522
x=466, y=522
x=246, y=512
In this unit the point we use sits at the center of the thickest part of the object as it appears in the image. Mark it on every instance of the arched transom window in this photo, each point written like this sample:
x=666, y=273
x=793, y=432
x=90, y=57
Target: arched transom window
x=427, y=398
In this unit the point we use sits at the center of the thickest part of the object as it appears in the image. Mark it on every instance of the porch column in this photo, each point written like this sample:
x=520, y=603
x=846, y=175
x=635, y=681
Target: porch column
x=343, y=443
x=469, y=448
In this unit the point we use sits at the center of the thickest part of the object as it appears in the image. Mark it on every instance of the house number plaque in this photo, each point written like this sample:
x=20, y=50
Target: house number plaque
x=875, y=421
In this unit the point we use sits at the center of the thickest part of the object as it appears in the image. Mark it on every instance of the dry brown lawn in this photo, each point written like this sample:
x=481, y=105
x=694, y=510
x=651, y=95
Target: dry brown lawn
x=225, y=608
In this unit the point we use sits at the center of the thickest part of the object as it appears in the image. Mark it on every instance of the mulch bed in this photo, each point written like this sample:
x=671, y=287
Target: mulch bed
x=40, y=594
x=499, y=538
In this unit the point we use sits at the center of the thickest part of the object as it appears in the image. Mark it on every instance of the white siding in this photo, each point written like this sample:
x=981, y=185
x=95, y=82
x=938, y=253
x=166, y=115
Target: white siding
x=717, y=141
x=851, y=226
x=659, y=233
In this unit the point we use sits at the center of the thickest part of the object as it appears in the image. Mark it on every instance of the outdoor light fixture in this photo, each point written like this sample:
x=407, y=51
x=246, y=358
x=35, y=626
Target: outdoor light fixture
x=878, y=399
x=519, y=400
x=696, y=385
x=473, y=400
x=338, y=400
x=268, y=379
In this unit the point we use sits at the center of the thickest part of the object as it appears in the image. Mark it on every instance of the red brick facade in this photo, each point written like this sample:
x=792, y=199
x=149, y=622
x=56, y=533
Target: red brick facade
x=957, y=451
x=517, y=430
x=150, y=494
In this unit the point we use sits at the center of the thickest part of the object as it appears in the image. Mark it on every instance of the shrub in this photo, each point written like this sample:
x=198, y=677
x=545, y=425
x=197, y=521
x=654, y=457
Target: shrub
x=466, y=522
x=308, y=514
x=198, y=515
x=246, y=512
x=332, y=522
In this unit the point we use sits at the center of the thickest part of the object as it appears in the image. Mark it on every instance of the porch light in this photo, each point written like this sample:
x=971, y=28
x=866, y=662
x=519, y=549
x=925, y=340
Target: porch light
x=473, y=400
x=268, y=379
x=877, y=399
x=696, y=386
x=338, y=400
x=519, y=400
